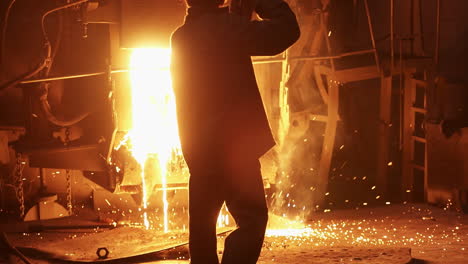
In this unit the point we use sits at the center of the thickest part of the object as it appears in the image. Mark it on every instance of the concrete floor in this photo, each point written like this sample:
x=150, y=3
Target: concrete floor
x=411, y=233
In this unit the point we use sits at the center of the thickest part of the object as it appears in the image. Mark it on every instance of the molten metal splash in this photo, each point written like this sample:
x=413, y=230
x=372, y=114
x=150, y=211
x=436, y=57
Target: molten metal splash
x=154, y=132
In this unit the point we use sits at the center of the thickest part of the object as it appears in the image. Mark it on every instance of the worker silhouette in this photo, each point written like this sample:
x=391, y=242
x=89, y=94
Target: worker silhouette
x=223, y=127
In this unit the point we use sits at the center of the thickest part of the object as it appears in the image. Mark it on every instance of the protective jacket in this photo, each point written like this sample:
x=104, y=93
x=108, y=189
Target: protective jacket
x=218, y=102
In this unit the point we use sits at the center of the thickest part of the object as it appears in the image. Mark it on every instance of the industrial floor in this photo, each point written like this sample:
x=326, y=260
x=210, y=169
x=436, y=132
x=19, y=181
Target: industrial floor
x=393, y=234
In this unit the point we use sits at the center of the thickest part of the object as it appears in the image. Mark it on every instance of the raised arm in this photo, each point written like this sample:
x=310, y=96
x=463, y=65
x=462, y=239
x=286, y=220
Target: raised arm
x=277, y=30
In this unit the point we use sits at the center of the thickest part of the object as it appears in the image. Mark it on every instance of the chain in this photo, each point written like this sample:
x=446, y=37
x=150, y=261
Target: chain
x=69, y=193
x=19, y=183
x=67, y=136
x=68, y=176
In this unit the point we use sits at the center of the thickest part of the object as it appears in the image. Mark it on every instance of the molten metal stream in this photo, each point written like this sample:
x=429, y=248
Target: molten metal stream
x=154, y=134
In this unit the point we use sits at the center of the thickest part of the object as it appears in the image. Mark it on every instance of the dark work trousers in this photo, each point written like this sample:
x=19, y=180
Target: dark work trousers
x=215, y=179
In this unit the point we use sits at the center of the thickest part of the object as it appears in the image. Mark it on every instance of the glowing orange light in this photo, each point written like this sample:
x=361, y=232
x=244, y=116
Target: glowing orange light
x=154, y=132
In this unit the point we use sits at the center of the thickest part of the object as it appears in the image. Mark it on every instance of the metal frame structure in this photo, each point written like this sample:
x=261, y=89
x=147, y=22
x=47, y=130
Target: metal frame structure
x=329, y=91
x=334, y=78
x=410, y=137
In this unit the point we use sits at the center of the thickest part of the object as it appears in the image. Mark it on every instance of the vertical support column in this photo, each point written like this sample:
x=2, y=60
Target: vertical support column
x=283, y=125
x=426, y=185
x=416, y=29
x=408, y=131
x=426, y=174
x=392, y=36
x=371, y=32
x=4, y=160
x=329, y=138
x=4, y=152
x=384, y=133
x=437, y=43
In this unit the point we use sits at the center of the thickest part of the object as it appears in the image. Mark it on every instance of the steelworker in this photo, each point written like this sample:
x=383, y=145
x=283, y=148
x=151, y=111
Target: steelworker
x=222, y=123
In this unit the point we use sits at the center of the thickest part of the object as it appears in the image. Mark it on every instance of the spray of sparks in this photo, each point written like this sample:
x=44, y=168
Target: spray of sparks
x=409, y=226
x=154, y=134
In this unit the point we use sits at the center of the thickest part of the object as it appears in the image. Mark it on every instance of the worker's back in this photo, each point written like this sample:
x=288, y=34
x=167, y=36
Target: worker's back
x=222, y=123
x=213, y=78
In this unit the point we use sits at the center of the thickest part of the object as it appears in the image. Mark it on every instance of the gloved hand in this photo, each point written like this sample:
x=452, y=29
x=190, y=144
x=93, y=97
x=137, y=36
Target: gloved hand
x=267, y=9
x=243, y=8
x=450, y=127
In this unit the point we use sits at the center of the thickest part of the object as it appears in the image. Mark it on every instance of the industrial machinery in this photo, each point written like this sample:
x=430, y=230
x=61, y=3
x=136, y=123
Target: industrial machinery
x=66, y=95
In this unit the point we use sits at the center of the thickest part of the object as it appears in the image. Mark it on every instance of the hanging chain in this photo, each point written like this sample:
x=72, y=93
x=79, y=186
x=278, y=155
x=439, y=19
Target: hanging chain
x=67, y=136
x=69, y=193
x=68, y=176
x=19, y=183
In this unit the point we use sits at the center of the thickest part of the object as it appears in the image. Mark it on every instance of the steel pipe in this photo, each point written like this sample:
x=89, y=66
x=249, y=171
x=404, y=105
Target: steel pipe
x=259, y=61
x=312, y=58
x=75, y=76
